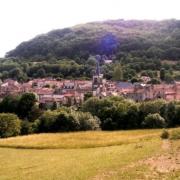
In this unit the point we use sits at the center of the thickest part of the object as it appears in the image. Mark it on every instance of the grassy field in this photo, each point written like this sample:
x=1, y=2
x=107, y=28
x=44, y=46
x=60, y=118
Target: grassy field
x=85, y=155
x=78, y=139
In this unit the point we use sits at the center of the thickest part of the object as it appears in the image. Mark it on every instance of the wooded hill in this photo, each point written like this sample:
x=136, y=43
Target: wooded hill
x=151, y=39
x=137, y=48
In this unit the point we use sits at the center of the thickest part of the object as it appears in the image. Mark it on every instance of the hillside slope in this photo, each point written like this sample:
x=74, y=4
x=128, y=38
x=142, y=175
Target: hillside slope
x=160, y=39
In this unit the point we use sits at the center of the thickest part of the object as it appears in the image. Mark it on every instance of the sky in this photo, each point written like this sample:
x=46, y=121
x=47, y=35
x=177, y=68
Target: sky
x=21, y=20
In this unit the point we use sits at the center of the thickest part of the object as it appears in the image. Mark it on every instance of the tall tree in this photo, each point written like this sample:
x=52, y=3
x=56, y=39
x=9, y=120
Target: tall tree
x=26, y=103
x=118, y=73
x=162, y=74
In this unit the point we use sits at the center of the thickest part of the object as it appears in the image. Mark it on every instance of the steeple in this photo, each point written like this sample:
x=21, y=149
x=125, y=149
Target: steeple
x=98, y=84
x=98, y=58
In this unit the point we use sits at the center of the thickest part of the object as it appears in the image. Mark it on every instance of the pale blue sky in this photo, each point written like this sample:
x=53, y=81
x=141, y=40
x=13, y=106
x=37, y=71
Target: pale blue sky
x=21, y=20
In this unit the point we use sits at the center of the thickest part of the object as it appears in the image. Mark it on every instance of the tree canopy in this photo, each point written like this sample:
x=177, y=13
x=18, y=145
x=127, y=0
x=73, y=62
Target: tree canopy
x=153, y=39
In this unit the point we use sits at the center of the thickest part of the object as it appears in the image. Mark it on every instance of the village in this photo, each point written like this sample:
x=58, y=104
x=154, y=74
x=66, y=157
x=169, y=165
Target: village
x=90, y=90
x=73, y=92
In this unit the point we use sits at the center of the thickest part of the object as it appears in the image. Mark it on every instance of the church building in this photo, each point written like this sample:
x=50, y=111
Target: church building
x=98, y=83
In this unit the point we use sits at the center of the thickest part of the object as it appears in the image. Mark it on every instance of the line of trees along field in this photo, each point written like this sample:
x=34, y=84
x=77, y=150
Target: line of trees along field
x=22, y=115
x=141, y=47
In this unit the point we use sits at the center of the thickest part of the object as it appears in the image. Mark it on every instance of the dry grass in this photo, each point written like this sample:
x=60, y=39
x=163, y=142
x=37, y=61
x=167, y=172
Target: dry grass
x=175, y=134
x=165, y=165
x=71, y=164
x=89, y=139
x=111, y=162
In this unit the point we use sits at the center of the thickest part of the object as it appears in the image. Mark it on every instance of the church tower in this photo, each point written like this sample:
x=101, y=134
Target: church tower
x=98, y=84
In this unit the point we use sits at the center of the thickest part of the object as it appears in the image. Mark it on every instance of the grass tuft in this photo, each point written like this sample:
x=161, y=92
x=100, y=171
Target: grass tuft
x=175, y=134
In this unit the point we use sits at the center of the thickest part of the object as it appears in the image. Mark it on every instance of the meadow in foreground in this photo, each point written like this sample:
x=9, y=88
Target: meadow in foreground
x=88, y=155
x=88, y=139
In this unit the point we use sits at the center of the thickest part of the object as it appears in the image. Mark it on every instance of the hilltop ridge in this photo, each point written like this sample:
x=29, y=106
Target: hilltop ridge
x=160, y=39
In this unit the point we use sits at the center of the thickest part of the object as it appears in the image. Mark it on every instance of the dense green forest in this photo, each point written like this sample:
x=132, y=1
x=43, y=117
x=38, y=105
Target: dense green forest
x=154, y=39
x=141, y=47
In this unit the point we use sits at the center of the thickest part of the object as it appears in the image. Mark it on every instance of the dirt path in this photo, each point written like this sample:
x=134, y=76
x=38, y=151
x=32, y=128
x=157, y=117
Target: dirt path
x=169, y=161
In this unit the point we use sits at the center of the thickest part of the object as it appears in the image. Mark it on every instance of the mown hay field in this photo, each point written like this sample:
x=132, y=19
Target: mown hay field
x=89, y=139
x=81, y=155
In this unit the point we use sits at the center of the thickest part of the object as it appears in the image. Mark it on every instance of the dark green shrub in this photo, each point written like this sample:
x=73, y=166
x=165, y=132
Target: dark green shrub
x=56, y=121
x=153, y=121
x=9, y=104
x=46, y=121
x=66, y=122
x=66, y=119
x=26, y=127
x=165, y=134
x=109, y=124
x=10, y=125
x=35, y=126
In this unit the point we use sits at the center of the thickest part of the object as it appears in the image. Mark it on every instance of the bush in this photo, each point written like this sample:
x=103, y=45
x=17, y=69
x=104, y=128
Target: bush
x=66, y=122
x=35, y=126
x=153, y=121
x=46, y=121
x=66, y=119
x=10, y=125
x=58, y=121
x=26, y=127
x=165, y=134
x=175, y=134
x=109, y=124
x=87, y=121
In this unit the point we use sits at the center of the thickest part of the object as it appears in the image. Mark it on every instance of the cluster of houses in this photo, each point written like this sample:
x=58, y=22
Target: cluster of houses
x=73, y=92
x=70, y=92
x=142, y=92
x=48, y=90
x=137, y=91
